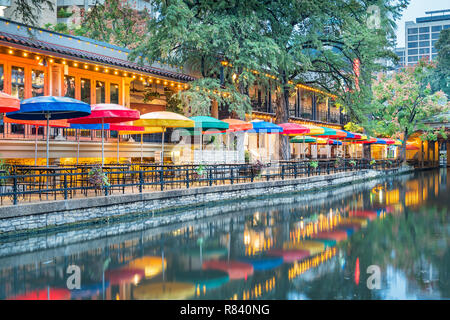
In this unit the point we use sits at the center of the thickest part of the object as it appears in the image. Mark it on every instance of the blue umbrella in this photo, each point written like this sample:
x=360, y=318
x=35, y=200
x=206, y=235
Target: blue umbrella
x=50, y=107
x=263, y=263
x=94, y=126
x=264, y=127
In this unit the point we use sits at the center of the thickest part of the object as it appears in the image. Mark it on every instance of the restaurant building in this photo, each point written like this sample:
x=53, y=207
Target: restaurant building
x=36, y=62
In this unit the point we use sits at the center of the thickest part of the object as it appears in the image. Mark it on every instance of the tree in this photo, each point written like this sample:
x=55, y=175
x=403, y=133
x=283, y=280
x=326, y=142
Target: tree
x=440, y=79
x=403, y=101
x=114, y=21
x=274, y=43
x=28, y=11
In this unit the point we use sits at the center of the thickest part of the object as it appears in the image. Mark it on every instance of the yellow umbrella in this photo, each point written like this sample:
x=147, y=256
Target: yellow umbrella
x=313, y=247
x=360, y=221
x=313, y=130
x=164, y=119
x=164, y=291
x=152, y=265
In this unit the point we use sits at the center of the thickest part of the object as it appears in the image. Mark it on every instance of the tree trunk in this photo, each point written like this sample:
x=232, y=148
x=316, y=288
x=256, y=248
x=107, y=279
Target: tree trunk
x=403, y=149
x=282, y=116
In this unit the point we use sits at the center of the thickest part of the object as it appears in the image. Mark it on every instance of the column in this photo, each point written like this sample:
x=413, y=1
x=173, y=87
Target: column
x=448, y=153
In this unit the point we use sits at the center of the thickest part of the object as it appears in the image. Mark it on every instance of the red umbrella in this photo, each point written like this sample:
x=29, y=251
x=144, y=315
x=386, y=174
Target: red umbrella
x=126, y=128
x=236, y=270
x=44, y=294
x=107, y=113
x=371, y=215
x=125, y=275
x=293, y=128
x=412, y=147
x=336, y=235
x=289, y=255
x=8, y=103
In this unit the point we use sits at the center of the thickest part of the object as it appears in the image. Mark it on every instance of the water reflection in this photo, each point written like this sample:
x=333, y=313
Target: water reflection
x=309, y=246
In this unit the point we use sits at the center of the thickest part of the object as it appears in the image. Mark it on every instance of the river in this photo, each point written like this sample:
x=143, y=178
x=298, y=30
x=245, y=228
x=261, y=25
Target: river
x=382, y=239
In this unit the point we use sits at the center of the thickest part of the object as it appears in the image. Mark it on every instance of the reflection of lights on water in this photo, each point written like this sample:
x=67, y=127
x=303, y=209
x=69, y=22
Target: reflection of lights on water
x=136, y=279
x=304, y=265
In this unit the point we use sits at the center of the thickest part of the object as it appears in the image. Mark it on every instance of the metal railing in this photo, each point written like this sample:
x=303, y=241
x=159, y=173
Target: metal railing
x=32, y=184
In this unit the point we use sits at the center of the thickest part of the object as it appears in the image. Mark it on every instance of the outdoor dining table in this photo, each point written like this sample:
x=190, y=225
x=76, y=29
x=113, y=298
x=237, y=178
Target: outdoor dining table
x=44, y=181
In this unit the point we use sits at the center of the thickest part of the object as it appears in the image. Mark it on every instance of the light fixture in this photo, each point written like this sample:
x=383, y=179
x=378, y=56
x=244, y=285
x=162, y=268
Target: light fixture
x=25, y=54
x=37, y=57
x=85, y=66
x=10, y=52
x=96, y=68
x=75, y=64
x=64, y=62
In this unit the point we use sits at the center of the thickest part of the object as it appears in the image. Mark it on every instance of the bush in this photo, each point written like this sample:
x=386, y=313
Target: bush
x=97, y=177
x=314, y=164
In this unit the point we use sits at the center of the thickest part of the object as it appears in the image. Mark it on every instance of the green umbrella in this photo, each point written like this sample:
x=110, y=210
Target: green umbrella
x=302, y=139
x=206, y=123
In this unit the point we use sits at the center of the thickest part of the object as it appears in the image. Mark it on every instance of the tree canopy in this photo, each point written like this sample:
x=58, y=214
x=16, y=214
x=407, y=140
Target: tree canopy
x=440, y=80
x=404, y=100
x=277, y=43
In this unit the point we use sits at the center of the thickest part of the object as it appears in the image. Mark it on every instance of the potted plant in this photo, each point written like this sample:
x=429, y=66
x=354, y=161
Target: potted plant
x=4, y=171
x=314, y=164
x=257, y=167
x=199, y=172
x=98, y=178
x=352, y=163
x=338, y=162
x=372, y=162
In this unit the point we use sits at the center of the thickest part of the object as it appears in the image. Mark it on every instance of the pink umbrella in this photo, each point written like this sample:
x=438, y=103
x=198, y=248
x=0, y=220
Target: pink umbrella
x=235, y=269
x=293, y=128
x=107, y=113
x=289, y=255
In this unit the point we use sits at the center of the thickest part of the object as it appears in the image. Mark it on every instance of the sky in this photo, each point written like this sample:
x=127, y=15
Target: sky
x=416, y=9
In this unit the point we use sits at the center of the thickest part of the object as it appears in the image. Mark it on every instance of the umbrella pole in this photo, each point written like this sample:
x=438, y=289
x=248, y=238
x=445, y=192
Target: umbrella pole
x=142, y=137
x=103, y=153
x=78, y=144
x=162, y=146
x=118, y=140
x=47, y=116
x=35, y=145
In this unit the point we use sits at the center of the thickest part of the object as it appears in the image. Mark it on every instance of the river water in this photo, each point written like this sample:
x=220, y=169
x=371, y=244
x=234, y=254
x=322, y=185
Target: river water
x=382, y=239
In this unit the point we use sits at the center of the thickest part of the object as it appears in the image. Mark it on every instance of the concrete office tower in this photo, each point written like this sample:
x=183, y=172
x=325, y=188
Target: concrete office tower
x=421, y=36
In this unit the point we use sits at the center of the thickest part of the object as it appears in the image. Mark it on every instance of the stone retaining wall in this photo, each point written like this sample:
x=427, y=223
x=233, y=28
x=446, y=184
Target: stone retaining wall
x=50, y=215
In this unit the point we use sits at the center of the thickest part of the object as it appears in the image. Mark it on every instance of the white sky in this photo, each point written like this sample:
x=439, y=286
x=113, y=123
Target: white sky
x=416, y=9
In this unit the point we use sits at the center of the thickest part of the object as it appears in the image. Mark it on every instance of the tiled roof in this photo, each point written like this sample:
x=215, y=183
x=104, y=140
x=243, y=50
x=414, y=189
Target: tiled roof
x=86, y=55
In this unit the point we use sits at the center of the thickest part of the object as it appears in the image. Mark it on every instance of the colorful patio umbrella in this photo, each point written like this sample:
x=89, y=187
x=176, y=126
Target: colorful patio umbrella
x=38, y=123
x=336, y=235
x=236, y=125
x=164, y=119
x=49, y=107
x=44, y=294
x=302, y=139
x=205, y=123
x=107, y=113
x=164, y=291
x=313, y=247
x=208, y=279
x=293, y=128
x=260, y=126
x=263, y=263
x=412, y=147
x=8, y=103
x=289, y=255
x=124, y=128
x=78, y=127
x=235, y=269
x=152, y=265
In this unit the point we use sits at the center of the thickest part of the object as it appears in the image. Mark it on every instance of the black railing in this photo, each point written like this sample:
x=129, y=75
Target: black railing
x=31, y=184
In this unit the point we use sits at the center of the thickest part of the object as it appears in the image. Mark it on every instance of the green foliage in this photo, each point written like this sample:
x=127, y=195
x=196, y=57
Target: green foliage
x=372, y=162
x=97, y=177
x=62, y=13
x=6, y=168
x=200, y=170
x=114, y=21
x=353, y=127
x=403, y=102
x=29, y=11
x=440, y=79
x=352, y=163
x=314, y=164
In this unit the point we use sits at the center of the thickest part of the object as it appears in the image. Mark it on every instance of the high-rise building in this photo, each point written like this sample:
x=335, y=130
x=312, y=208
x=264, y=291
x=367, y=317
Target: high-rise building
x=400, y=52
x=421, y=36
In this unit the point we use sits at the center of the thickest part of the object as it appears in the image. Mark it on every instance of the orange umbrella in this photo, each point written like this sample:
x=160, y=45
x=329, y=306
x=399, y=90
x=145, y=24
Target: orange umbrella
x=8, y=103
x=237, y=125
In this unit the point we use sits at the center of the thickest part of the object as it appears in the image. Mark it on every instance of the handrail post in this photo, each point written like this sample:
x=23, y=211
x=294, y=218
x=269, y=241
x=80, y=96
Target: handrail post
x=161, y=179
x=210, y=176
x=141, y=181
x=231, y=175
x=187, y=177
x=65, y=186
x=15, y=189
x=282, y=171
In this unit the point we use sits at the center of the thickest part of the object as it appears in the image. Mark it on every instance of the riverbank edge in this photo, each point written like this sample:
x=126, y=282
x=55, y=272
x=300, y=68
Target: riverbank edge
x=58, y=215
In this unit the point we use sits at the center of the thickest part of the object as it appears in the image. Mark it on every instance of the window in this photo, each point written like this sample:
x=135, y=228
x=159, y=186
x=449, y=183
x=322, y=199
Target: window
x=69, y=86
x=424, y=43
x=424, y=29
x=425, y=36
x=434, y=56
x=37, y=83
x=435, y=36
x=100, y=92
x=427, y=57
x=17, y=82
x=412, y=44
x=412, y=38
x=2, y=77
x=86, y=90
x=434, y=50
x=436, y=28
x=424, y=50
x=114, y=93
x=433, y=42
x=412, y=31
x=412, y=51
x=447, y=26
x=413, y=59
